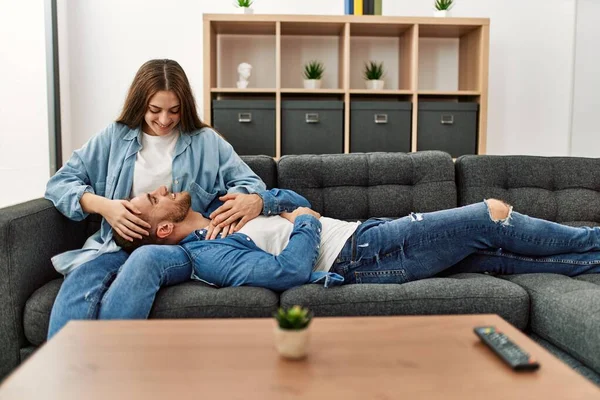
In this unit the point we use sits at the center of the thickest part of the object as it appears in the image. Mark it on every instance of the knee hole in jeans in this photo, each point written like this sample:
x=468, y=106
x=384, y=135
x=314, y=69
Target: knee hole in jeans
x=498, y=209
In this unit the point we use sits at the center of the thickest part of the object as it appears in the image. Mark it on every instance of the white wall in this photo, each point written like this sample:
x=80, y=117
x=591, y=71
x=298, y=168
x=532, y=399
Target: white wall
x=586, y=86
x=24, y=149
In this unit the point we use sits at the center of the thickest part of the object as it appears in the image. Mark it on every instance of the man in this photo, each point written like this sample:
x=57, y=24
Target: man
x=299, y=247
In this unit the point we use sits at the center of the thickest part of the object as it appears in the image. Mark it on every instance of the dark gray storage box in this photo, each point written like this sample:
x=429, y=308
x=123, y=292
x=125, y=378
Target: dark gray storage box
x=447, y=126
x=380, y=126
x=249, y=125
x=312, y=127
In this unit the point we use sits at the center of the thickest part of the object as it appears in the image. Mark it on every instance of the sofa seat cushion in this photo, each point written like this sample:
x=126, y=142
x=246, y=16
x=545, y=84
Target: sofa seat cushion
x=565, y=312
x=466, y=293
x=187, y=300
x=592, y=278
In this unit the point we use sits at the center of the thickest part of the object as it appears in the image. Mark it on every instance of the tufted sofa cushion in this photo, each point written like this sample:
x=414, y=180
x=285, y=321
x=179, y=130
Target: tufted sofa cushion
x=560, y=189
x=360, y=186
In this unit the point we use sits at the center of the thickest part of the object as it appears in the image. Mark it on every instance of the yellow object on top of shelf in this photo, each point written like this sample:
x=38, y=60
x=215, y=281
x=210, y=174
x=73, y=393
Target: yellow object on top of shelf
x=358, y=7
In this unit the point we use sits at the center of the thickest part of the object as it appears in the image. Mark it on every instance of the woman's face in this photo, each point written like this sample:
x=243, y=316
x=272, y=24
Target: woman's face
x=163, y=113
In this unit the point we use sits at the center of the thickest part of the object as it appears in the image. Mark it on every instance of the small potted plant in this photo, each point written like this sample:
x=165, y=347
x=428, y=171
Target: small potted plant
x=373, y=73
x=442, y=8
x=245, y=6
x=313, y=72
x=291, y=332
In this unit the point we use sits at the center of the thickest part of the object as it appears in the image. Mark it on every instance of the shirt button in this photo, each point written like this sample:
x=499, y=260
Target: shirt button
x=176, y=182
x=248, y=239
x=269, y=212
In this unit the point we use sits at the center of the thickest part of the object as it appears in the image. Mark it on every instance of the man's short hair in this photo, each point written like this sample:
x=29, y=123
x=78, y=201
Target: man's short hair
x=128, y=246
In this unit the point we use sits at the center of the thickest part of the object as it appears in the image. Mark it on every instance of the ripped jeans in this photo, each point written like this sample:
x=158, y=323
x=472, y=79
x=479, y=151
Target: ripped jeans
x=422, y=245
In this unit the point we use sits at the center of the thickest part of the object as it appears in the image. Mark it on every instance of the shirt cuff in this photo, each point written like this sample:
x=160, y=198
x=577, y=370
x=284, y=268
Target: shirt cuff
x=308, y=220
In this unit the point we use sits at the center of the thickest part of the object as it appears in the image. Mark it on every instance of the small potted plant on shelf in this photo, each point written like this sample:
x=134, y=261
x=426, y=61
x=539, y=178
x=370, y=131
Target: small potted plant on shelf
x=245, y=6
x=373, y=73
x=442, y=8
x=313, y=72
x=291, y=332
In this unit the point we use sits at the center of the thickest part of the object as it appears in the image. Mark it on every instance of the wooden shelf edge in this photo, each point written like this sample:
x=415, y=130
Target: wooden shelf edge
x=236, y=90
x=345, y=18
x=315, y=91
x=449, y=93
x=382, y=92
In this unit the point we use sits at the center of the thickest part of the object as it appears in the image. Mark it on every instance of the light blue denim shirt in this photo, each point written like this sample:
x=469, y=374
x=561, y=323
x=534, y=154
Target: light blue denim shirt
x=204, y=164
x=237, y=261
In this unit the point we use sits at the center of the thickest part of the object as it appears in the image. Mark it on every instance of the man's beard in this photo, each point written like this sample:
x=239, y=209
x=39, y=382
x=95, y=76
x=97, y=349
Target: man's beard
x=183, y=202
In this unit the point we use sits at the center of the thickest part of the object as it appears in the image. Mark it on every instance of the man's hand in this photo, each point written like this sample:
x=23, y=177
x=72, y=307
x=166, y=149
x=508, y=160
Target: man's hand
x=238, y=207
x=300, y=211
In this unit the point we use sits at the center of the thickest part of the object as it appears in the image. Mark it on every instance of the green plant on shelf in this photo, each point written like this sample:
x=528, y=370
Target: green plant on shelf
x=373, y=71
x=443, y=5
x=244, y=3
x=314, y=70
x=295, y=318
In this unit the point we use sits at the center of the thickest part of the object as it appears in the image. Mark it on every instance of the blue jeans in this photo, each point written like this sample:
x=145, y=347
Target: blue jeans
x=115, y=286
x=422, y=245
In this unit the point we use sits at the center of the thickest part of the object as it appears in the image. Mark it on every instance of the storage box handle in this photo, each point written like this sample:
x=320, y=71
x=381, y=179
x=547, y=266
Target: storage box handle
x=447, y=119
x=245, y=118
x=381, y=118
x=312, y=118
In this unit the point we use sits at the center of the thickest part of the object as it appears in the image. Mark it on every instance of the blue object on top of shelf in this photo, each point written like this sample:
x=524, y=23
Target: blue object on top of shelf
x=349, y=7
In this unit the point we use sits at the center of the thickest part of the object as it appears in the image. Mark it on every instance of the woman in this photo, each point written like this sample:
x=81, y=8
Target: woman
x=157, y=140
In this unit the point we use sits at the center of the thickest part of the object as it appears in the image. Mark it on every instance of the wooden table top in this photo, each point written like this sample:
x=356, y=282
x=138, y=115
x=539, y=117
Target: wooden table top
x=404, y=357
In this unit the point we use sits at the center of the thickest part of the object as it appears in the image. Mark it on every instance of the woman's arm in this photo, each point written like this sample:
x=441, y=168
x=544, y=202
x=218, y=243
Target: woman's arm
x=78, y=188
x=274, y=202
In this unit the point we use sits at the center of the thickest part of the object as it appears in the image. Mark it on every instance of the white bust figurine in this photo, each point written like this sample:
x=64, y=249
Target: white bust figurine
x=244, y=71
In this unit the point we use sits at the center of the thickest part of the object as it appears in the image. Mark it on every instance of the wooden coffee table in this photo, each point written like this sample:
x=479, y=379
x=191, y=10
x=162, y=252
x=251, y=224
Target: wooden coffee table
x=424, y=357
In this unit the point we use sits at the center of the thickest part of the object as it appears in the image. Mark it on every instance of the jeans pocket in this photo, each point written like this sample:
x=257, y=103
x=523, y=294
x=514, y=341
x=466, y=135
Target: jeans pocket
x=387, y=276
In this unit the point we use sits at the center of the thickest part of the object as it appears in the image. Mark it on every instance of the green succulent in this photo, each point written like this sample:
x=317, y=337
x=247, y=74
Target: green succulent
x=244, y=3
x=294, y=318
x=314, y=70
x=443, y=5
x=373, y=71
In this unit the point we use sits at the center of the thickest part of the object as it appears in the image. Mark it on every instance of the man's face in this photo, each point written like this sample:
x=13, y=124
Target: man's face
x=162, y=205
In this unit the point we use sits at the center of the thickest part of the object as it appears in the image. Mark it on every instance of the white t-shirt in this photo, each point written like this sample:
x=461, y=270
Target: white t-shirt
x=154, y=163
x=272, y=235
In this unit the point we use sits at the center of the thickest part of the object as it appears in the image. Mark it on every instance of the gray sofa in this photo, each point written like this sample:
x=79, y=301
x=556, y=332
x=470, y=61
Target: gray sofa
x=560, y=313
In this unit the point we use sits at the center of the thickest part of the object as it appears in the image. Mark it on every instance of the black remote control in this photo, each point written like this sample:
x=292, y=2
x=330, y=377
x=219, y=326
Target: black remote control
x=508, y=351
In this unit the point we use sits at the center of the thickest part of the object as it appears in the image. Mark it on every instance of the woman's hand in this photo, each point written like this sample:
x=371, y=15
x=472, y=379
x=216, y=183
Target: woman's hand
x=300, y=211
x=238, y=207
x=213, y=231
x=122, y=216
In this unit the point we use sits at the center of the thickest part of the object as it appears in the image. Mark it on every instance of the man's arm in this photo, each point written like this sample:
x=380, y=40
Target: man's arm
x=225, y=263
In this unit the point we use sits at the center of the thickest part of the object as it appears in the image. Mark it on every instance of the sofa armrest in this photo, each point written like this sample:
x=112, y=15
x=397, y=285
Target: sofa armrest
x=30, y=234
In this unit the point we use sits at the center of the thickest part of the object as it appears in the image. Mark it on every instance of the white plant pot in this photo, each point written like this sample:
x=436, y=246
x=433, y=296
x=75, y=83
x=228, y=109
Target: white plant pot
x=312, y=84
x=375, y=84
x=246, y=10
x=292, y=344
x=441, y=13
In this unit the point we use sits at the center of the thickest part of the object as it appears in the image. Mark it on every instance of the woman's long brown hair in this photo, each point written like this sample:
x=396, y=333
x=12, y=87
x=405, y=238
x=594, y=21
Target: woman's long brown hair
x=152, y=77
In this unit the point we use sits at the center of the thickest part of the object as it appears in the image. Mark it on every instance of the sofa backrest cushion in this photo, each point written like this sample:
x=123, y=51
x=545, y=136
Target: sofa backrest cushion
x=560, y=189
x=263, y=166
x=363, y=185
